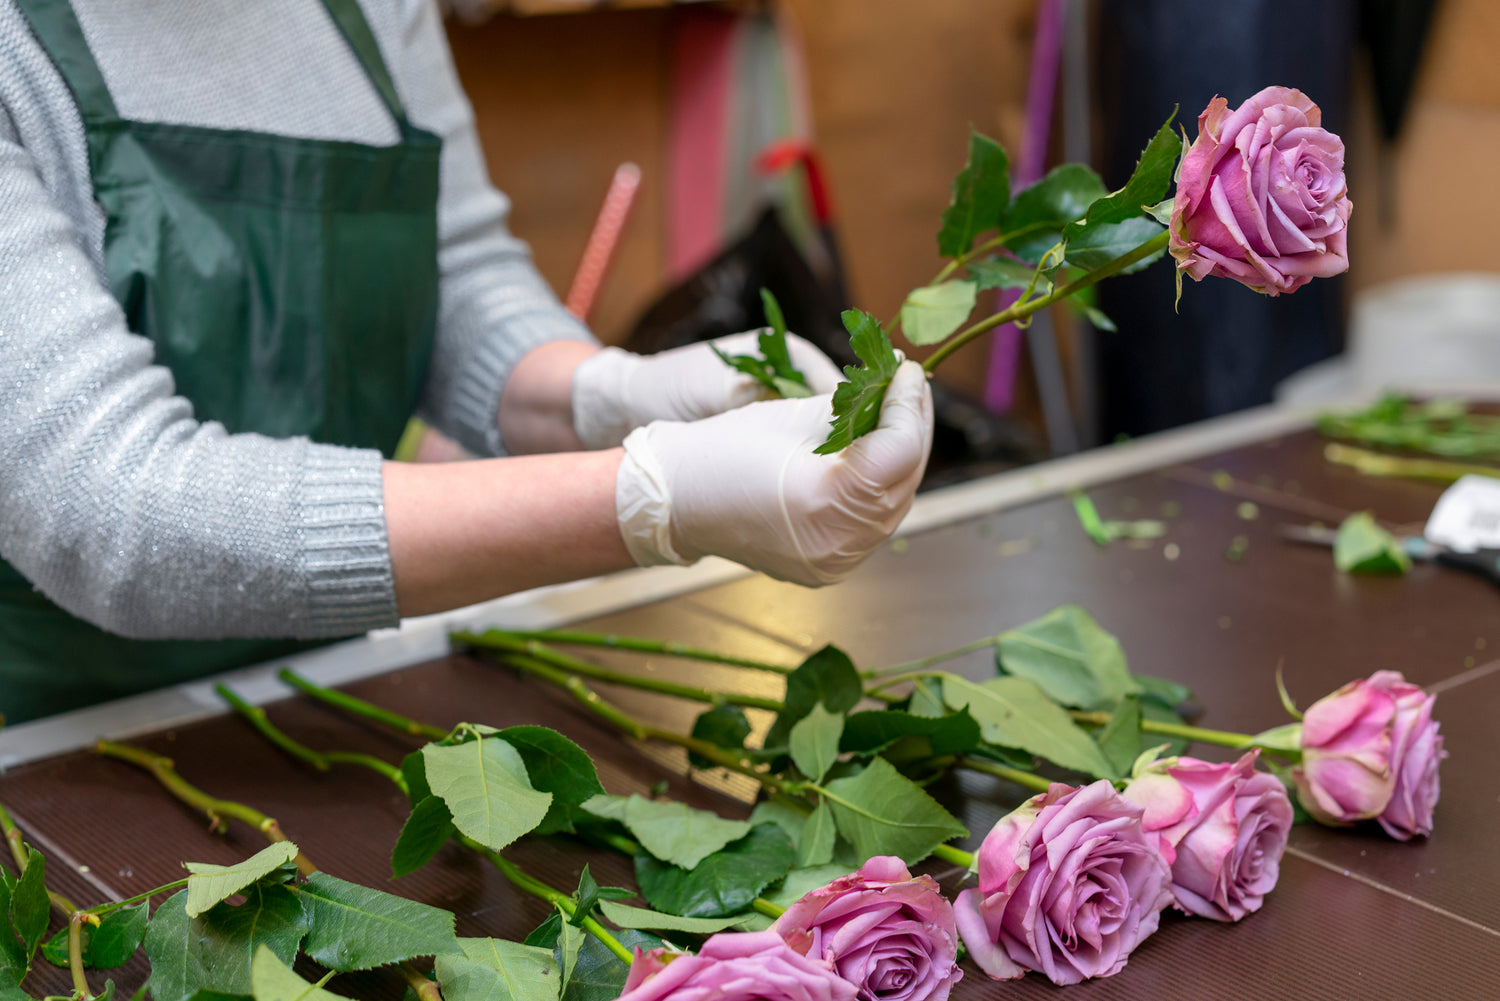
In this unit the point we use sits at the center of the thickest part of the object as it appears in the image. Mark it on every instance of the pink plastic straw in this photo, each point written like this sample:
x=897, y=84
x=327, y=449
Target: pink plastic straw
x=1046, y=54
x=603, y=240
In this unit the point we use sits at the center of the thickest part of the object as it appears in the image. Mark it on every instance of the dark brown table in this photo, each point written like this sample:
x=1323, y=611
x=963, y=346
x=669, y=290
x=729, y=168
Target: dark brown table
x=1356, y=915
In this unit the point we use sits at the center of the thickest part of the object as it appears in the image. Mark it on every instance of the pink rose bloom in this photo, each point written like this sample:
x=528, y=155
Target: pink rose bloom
x=1371, y=749
x=1224, y=828
x=1069, y=885
x=1261, y=196
x=891, y=935
x=744, y=966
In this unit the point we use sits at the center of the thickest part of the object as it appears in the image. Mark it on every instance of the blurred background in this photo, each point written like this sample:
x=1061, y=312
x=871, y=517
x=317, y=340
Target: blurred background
x=810, y=146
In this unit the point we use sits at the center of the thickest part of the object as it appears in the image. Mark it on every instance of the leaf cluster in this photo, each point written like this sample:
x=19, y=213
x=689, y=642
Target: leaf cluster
x=1438, y=427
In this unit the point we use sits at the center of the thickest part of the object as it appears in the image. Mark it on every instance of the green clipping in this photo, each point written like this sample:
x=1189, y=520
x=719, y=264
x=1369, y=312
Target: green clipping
x=210, y=884
x=882, y=812
x=1363, y=547
x=932, y=313
x=725, y=882
x=981, y=192
x=856, y=402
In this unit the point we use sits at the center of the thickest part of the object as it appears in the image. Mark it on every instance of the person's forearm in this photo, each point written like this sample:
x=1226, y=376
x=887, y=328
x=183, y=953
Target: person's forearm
x=469, y=531
x=536, y=409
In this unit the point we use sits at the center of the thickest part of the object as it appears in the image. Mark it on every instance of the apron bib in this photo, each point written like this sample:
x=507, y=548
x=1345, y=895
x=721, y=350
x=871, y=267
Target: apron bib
x=289, y=284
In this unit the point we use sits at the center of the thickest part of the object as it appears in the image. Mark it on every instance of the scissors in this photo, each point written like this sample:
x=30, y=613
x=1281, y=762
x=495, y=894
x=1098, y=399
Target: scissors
x=1481, y=562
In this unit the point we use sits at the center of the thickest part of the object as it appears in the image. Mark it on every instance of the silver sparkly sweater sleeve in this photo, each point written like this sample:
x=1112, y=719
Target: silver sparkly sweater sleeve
x=114, y=500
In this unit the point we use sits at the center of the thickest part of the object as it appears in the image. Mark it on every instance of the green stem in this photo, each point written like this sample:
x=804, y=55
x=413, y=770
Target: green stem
x=876, y=691
x=957, y=856
x=99, y=910
x=14, y=838
x=1378, y=464
x=217, y=810
x=617, y=717
x=937, y=658
x=611, y=641
x=557, y=898
x=1024, y=779
x=1022, y=310
x=763, y=906
x=1224, y=738
x=321, y=760
x=75, y=954
x=426, y=990
x=541, y=652
x=360, y=707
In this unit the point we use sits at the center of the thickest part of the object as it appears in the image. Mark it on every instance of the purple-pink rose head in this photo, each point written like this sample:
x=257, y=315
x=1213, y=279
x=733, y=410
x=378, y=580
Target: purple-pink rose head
x=1069, y=885
x=1261, y=196
x=1224, y=827
x=745, y=966
x=1371, y=749
x=888, y=933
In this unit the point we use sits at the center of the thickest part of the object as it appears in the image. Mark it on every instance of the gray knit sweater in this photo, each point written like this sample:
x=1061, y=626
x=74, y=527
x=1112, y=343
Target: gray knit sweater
x=114, y=501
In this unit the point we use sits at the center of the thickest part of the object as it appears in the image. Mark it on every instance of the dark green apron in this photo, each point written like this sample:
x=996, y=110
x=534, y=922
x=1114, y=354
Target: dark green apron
x=289, y=284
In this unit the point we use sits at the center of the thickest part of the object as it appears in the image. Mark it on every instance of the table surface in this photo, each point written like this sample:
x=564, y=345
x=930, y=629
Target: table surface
x=1356, y=915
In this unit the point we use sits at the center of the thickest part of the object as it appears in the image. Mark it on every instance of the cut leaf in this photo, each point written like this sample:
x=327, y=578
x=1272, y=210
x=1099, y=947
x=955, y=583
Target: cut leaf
x=981, y=192
x=882, y=812
x=353, y=927
x=725, y=883
x=1014, y=712
x=931, y=313
x=624, y=916
x=828, y=677
x=1070, y=657
x=814, y=742
x=213, y=951
x=210, y=884
x=1363, y=547
x=856, y=403
x=485, y=786
x=816, y=839
x=271, y=979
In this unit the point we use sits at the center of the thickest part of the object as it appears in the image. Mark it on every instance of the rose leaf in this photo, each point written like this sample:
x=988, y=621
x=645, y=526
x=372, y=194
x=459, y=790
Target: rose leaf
x=882, y=812
x=856, y=402
x=932, y=313
x=1070, y=657
x=981, y=192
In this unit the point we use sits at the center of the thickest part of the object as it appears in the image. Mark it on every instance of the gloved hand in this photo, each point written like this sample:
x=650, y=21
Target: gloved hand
x=615, y=392
x=746, y=485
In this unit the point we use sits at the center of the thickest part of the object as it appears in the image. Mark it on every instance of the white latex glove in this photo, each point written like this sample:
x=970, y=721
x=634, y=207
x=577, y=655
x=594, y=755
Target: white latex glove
x=615, y=392
x=746, y=485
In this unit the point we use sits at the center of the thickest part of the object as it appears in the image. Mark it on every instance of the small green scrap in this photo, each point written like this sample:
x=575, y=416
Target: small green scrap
x=1363, y=547
x=1104, y=532
x=1237, y=548
x=1248, y=510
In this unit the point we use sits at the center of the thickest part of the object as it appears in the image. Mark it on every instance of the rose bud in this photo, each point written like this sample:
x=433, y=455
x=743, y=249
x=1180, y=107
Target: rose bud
x=744, y=966
x=1416, y=749
x=1069, y=885
x=1225, y=827
x=1346, y=772
x=1261, y=196
x=886, y=932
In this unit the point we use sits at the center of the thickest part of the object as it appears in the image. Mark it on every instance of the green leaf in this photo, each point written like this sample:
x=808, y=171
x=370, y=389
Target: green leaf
x=1286, y=739
x=874, y=731
x=354, y=927
x=624, y=916
x=110, y=944
x=749, y=365
x=773, y=345
x=800, y=882
x=1168, y=693
x=570, y=940
x=270, y=978
x=599, y=975
x=673, y=832
x=856, y=402
x=814, y=742
x=589, y=893
x=882, y=812
x=1147, y=185
x=557, y=765
x=495, y=970
x=414, y=771
x=1070, y=657
x=29, y=905
x=1120, y=738
x=208, y=995
x=14, y=961
x=485, y=786
x=1000, y=272
x=723, y=726
x=1100, y=244
x=828, y=677
x=1158, y=712
x=213, y=951
x=1088, y=518
x=722, y=884
x=926, y=699
x=427, y=828
x=1034, y=222
x=1162, y=211
x=816, y=840
x=789, y=819
x=980, y=193
x=1014, y=712
x=210, y=884
x=931, y=313
x=1363, y=547
x=545, y=934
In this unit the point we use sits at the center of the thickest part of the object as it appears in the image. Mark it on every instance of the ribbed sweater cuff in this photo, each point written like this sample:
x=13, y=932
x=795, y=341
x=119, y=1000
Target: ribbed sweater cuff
x=480, y=386
x=345, y=556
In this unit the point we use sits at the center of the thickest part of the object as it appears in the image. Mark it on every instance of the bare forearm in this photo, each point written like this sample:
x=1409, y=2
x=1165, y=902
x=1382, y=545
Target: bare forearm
x=468, y=531
x=536, y=409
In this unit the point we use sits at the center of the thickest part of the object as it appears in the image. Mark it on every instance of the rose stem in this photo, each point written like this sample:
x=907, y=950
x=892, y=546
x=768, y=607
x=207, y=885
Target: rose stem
x=76, y=918
x=1224, y=738
x=1378, y=464
x=161, y=767
x=18, y=852
x=360, y=707
x=1021, y=310
x=322, y=760
x=1026, y=780
x=540, y=652
x=613, y=641
x=937, y=658
x=957, y=856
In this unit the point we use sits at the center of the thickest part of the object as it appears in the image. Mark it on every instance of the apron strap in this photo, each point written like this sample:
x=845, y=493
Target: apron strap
x=351, y=21
x=57, y=28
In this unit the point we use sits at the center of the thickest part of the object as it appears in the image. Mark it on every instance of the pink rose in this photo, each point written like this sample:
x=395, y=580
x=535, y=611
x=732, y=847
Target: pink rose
x=745, y=966
x=1069, y=885
x=1261, y=196
x=1371, y=749
x=1224, y=828
x=891, y=935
